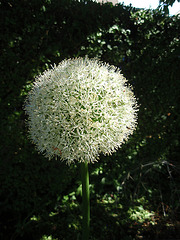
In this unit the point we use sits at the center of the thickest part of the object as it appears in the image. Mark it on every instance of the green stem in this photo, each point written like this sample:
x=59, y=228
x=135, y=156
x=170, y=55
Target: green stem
x=85, y=201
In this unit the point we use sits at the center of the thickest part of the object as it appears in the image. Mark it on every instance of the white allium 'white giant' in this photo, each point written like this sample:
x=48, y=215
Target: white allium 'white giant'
x=79, y=109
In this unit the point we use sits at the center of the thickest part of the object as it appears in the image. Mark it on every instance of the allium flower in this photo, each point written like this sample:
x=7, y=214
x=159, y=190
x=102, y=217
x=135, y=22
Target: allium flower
x=80, y=108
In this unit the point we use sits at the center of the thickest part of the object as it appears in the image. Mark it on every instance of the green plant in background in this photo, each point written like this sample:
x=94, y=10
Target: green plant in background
x=139, y=214
x=48, y=238
x=77, y=110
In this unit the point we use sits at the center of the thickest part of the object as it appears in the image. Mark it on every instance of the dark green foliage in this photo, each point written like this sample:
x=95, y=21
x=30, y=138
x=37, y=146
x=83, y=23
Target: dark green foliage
x=136, y=191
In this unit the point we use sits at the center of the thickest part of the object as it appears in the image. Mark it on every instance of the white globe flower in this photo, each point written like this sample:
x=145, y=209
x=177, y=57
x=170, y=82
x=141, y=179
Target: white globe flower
x=80, y=108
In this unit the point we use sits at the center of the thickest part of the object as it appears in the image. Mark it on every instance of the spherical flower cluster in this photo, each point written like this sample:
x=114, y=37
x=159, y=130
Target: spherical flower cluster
x=79, y=109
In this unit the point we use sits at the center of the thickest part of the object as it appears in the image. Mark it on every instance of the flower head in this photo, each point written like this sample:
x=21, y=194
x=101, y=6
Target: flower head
x=80, y=108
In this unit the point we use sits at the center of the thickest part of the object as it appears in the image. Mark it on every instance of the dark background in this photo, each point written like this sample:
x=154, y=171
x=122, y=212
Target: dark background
x=135, y=193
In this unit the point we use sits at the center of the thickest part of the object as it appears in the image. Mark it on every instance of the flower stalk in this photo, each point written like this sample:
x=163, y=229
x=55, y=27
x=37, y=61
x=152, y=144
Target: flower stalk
x=85, y=200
